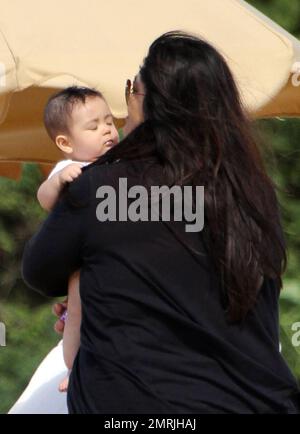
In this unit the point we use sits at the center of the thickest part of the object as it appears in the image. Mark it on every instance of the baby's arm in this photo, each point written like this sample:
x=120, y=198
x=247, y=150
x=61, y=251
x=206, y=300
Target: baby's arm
x=71, y=339
x=50, y=189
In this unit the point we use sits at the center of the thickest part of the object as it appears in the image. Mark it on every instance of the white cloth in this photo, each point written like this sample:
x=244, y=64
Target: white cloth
x=64, y=163
x=42, y=396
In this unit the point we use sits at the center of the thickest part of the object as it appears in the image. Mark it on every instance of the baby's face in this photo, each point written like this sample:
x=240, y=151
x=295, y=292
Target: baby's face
x=92, y=131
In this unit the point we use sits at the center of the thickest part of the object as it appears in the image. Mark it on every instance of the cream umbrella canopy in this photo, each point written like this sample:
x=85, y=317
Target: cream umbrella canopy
x=47, y=46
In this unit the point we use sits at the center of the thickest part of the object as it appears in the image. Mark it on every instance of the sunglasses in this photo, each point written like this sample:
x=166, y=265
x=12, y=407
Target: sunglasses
x=129, y=90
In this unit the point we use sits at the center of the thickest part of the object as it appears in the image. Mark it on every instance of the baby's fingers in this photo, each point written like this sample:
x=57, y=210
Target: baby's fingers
x=59, y=308
x=59, y=326
x=75, y=172
x=71, y=176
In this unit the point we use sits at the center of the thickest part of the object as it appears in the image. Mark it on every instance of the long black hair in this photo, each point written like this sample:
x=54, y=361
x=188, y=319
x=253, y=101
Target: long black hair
x=197, y=127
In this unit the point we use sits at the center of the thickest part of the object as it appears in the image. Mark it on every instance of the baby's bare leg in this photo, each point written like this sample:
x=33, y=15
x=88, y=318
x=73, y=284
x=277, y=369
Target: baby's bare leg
x=71, y=338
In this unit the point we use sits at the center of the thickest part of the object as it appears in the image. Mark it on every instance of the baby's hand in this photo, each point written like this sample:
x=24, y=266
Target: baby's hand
x=69, y=173
x=58, y=310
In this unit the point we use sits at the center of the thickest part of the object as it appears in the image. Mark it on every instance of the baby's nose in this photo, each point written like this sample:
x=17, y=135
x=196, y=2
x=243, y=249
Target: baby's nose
x=107, y=130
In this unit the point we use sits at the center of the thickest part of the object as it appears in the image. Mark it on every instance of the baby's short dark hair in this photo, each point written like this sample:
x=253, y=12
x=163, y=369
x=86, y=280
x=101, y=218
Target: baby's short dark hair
x=60, y=105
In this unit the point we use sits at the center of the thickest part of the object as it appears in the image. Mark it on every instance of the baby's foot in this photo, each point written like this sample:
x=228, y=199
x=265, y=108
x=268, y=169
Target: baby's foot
x=63, y=387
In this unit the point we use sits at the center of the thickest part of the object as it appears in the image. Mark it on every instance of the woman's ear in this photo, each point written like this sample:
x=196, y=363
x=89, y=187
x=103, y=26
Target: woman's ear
x=64, y=144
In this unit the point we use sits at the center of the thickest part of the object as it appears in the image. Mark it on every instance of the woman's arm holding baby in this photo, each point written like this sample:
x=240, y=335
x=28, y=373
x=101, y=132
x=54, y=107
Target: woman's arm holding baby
x=49, y=191
x=55, y=251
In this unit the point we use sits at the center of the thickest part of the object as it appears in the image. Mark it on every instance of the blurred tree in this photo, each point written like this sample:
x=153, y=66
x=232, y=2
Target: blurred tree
x=283, y=137
x=284, y=12
x=20, y=214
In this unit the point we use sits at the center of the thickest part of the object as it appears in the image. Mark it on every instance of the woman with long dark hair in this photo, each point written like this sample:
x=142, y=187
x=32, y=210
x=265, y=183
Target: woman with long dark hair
x=175, y=321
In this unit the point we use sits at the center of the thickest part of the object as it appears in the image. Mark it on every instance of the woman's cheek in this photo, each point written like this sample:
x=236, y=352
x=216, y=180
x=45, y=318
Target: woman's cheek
x=135, y=112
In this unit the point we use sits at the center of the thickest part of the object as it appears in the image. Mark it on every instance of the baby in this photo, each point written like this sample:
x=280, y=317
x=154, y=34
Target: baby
x=80, y=123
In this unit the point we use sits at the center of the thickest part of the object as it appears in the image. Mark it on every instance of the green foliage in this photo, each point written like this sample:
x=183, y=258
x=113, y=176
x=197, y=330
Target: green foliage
x=284, y=12
x=29, y=337
x=20, y=215
x=283, y=137
x=29, y=323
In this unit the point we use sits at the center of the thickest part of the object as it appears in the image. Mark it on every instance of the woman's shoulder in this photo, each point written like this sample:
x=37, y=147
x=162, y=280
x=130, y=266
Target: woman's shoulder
x=109, y=173
x=79, y=191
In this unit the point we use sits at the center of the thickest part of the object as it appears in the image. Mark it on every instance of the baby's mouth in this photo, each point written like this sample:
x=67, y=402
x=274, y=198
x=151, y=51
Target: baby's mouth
x=109, y=143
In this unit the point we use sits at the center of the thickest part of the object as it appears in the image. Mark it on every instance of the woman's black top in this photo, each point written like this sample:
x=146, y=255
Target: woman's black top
x=154, y=337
